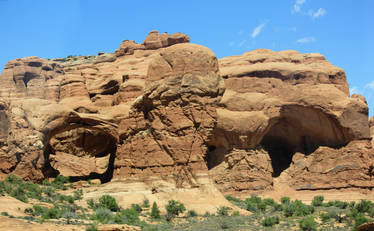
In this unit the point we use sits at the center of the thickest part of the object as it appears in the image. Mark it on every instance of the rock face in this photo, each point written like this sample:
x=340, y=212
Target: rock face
x=282, y=105
x=169, y=111
x=152, y=42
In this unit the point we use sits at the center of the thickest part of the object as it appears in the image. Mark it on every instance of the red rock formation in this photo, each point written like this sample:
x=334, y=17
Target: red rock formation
x=159, y=111
x=152, y=42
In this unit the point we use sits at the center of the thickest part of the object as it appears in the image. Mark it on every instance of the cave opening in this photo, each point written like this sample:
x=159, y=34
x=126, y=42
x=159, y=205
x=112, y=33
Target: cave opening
x=215, y=156
x=81, y=153
x=280, y=152
x=303, y=130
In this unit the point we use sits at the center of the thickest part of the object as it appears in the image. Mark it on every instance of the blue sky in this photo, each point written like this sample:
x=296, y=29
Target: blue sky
x=343, y=31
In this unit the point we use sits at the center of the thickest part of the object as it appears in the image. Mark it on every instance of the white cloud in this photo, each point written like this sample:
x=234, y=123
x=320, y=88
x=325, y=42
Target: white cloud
x=306, y=40
x=257, y=30
x=316, y=14
x=370, y=85
x=242, y=43
x=354, y=90
x=297, y=5
x=231, y=44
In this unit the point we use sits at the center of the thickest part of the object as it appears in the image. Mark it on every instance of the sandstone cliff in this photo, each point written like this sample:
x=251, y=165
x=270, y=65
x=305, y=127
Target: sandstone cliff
x=169, y=111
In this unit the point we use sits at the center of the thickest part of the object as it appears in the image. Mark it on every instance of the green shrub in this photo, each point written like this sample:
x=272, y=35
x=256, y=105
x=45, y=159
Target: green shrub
x=174, y=208
x=233, y=199
x=207, y=214
x=59, y=182
x=285, y=200
x=289, y=210
x=91, y=227
x=103, y=215
x=137, y=208
x=324, y=217
x=341, y=204
x=359, y=220
x=371, y=212
x=223, y=211
x=297, y=208
x=235, y=214
x=155, y=212
x=250, y=206
x=68, y=216
x=13, y=179
x=317, y=201
x=269, y=201
x=107, y=201
x=91, y=204
x=78, y=194
x=270, y=221
x=130, y=216
x=363, y=206
x=4, y=214
x=191, y=213
x=277, y=207
x=146, y=203
x=261, y=206
x=308, y=224
x=254, y=199
x=20, y=194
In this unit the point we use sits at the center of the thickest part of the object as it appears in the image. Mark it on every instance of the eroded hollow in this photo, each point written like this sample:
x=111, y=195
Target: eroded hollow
x=214, y=156
x=300, y=129
x=81, y=153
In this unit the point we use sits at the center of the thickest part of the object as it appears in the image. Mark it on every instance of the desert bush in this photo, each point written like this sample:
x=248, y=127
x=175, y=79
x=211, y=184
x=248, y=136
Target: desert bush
x=341, y=204
x=59, y=182
x=269, y=201
x=174, y=208
x=146, y=203
x=129, y=216
x=68, y=216
x=78, y=194
x=103, y=215
x=277, y=207
x=192, y=213
x=250, y=206
x=254, y=199
x=297, y=208
x=363, y=206
x=233, y=199
x=359, y=219
x=137, y=208
x=51, y=213
x=4, y=213
x=308, y=224
x=91, y=204
x=19, y=193
x=317, y=201
x=91, y=227
x=155, y=212
x=285, y=200
x=324, y=217
x=235, y=214
x=371, y=212
x=270, y=221
x=223, y=211
x=261, y=206
x=107, y=201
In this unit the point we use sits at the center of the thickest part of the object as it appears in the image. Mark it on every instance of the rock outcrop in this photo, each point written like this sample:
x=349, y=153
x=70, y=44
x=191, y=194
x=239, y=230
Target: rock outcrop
x=279, y=105
x=169, y=111
x=152, y=42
